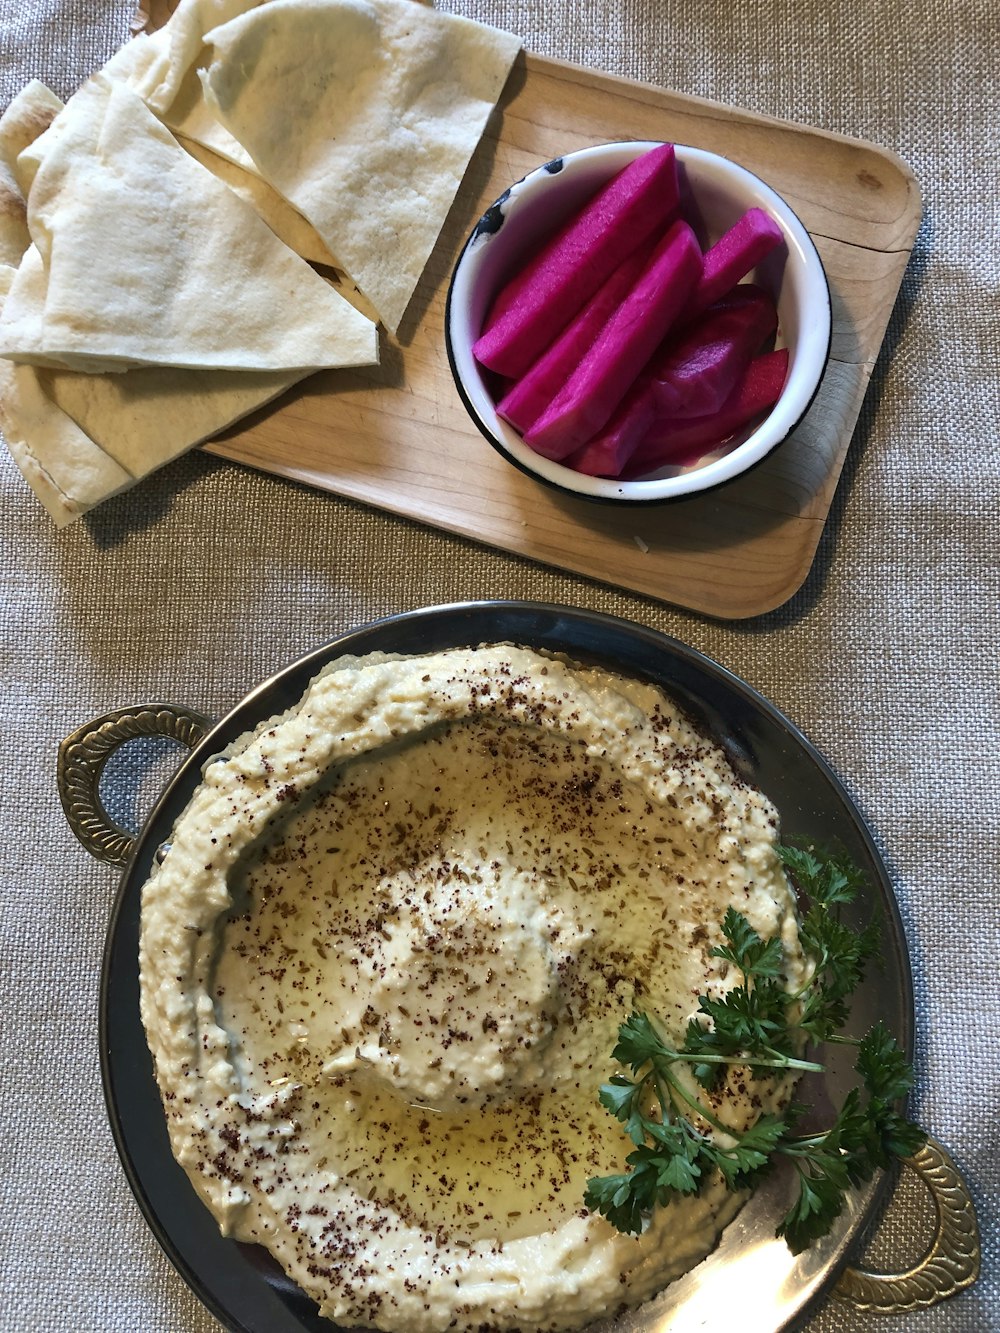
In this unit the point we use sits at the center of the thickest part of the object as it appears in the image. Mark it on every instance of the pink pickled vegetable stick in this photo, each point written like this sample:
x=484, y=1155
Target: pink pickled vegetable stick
x=608, y=452
x=734, y=254
x=523, y=404
x=600, y=381
x=700, y=366
x=686, y=440
x=542, y=298
x=701, y=369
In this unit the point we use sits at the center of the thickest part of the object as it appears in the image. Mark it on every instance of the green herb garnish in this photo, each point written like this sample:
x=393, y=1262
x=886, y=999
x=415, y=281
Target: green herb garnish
x=679, y=1141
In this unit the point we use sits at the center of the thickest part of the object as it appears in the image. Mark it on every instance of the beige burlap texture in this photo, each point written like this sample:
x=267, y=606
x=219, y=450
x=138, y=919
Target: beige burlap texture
x=208, y=577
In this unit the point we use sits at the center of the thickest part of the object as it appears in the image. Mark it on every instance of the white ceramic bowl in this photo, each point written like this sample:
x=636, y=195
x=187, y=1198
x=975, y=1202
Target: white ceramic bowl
x=715, y=193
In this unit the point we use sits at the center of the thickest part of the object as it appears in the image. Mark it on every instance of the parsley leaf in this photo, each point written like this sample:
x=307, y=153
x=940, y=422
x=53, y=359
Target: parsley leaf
x=749, y=1020
x=638, y=1042
x=761, y=1026
x=752, y=955
x=839, y=954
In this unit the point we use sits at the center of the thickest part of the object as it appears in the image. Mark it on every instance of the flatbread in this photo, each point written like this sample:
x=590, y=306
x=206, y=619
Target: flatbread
x=175, y=96
x=24, y=306
x=364, y=115
x=78, y=439
x=148, y=259
x=100, y=170
x=14, y=237
x=155, y=65
x=67, y=471
x=148, y=417
x=162, y=67
x=286, y=222
x=29, y=115
x=165, y=72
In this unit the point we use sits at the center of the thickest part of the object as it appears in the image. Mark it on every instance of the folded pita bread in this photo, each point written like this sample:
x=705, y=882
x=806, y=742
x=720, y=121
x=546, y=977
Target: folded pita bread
x=28, y=115
x=364, y=115
x=164, y=72
x=67, y=471
x=286, y=222
x=25, y=304
x=149, y=416
x=148, y=259
x=14, y=237
x=176, y=97
x=162, y=67
x=78, y=439
x=156, y=64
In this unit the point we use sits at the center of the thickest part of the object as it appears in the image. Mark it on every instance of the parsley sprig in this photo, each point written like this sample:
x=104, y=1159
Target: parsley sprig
x=679, y=1141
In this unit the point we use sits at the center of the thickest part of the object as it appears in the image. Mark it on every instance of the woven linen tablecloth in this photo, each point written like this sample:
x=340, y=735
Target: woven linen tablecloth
x=208, y=577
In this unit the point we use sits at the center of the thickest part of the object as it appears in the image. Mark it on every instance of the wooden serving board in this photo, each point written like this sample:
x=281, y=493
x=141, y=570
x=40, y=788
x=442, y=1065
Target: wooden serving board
x=397, y=436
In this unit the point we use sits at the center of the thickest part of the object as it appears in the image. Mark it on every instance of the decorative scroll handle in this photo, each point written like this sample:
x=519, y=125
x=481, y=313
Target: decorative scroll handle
x=82, y=757
x=950, y=1264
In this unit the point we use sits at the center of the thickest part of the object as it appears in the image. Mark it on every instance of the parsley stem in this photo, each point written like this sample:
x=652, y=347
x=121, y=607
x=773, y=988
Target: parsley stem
x=744, y=1058
x=667, y=1104
x=800, y=1145
x=693, y=1102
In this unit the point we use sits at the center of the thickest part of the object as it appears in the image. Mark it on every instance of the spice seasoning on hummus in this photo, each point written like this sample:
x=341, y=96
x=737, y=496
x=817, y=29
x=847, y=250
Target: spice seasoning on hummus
x=385, y=958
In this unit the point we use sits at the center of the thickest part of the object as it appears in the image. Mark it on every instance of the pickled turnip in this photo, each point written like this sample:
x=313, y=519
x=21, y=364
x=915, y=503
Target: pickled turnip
x=601, y=379
x=542, y=297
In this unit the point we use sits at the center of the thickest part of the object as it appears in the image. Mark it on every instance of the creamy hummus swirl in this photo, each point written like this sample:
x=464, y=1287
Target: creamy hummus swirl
x=384, y=960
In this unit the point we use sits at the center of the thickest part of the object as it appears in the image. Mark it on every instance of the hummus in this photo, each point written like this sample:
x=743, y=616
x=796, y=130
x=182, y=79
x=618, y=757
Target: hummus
x=383, y=965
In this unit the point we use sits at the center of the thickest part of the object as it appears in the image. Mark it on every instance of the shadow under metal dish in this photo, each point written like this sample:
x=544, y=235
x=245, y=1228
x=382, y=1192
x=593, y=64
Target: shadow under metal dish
x=241, y=1284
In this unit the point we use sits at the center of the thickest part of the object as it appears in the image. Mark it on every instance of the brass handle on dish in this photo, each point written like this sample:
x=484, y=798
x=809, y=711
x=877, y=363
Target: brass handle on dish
x=950, y=1264
x=83, y=754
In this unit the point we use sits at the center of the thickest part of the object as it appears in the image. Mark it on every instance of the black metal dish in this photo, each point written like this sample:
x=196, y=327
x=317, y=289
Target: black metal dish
x=242, y=1285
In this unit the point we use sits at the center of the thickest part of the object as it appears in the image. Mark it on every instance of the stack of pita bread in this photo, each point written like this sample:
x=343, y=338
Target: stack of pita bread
x=234, y=201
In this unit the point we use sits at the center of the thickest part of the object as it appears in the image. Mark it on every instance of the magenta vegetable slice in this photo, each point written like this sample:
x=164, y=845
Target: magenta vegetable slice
x=542, y=298
x=523, y=404
x=704, y=363
x=608, y=452
x=749, y=240
x=712, y=347
x=600, y=381
x=680, y=441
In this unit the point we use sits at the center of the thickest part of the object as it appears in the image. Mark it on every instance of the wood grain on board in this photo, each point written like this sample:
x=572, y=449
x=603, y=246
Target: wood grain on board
x=397, y=436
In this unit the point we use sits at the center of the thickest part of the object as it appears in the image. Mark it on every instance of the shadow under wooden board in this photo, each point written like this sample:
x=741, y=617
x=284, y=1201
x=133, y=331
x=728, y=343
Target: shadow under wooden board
x=397, y=436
